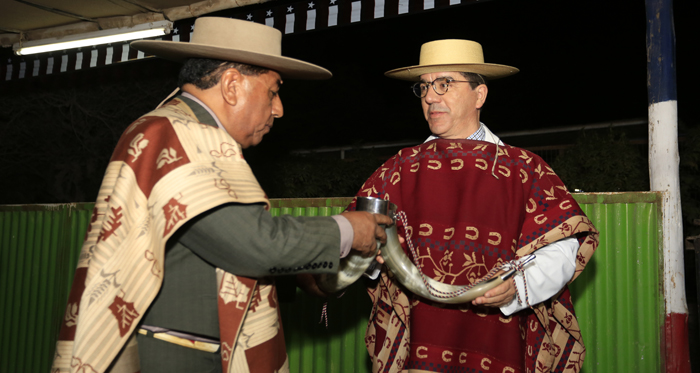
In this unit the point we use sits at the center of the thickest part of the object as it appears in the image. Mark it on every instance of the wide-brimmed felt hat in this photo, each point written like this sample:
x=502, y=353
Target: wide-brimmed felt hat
x=237, y=41
x=452, y=55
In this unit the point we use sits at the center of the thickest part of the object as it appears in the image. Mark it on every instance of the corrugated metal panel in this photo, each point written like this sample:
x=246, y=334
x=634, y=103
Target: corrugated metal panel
x=338, y=349
x=38, y=250
x=312, y=347
x=618, y=298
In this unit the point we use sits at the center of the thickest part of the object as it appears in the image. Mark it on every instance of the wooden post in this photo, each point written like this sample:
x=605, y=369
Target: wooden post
x=664, y=177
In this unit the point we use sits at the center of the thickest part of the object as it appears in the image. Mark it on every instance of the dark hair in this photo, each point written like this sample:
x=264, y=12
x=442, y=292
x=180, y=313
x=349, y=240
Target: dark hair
x=205, y=73
x=474, y=79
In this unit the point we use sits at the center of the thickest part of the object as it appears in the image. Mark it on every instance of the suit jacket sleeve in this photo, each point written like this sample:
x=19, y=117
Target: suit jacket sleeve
x=244, y=239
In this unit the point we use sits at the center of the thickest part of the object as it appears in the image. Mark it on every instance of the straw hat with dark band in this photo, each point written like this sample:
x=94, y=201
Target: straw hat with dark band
x=237, y=41
x=452, y=55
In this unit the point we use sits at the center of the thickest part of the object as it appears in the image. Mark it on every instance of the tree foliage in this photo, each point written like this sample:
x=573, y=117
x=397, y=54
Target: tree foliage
x=690, y=180
x=55, y=144
x=603, y=163
x=609, y=163
x=318, y=175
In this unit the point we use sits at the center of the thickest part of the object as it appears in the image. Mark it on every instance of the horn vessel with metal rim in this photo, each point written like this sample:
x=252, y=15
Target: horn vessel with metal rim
x=403, y=270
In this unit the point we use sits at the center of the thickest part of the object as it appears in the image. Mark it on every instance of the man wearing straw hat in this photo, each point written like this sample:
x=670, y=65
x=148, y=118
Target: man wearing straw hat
x=174, y=271
x=473, y=204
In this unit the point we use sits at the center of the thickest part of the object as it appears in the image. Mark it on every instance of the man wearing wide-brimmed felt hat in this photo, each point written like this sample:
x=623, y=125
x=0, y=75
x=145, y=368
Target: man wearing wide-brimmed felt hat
x=473, y=204
x=175, y=271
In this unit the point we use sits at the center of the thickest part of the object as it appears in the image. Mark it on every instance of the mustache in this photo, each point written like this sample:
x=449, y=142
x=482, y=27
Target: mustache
x=439, y=109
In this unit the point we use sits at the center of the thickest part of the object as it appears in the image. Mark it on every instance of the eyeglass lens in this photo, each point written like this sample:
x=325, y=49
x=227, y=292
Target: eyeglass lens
x=440, y=85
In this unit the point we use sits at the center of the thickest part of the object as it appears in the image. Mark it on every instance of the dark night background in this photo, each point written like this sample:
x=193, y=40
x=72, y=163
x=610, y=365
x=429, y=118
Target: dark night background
x=580, y=62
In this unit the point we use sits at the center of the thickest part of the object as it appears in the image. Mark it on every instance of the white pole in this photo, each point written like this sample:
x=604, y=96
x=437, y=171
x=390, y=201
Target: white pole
x=664, y=177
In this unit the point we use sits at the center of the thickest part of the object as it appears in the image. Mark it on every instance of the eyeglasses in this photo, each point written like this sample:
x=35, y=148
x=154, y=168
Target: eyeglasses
x=440, y=86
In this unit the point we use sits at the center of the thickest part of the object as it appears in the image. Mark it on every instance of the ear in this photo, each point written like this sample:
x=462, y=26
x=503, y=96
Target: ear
x=231, y=86
x=481, y=91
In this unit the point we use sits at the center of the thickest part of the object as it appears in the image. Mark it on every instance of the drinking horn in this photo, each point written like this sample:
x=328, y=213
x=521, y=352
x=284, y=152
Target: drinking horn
x=354, y=265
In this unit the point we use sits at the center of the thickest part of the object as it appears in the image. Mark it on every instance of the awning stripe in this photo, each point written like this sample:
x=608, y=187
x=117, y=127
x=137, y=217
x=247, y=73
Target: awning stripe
x=289, y=17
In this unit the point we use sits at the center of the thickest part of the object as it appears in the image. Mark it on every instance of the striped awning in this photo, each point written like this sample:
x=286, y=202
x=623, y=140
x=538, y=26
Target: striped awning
x=288, y=17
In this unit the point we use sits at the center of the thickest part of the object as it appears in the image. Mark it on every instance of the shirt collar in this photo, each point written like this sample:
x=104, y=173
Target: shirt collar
x=205, y=116
x=479, y=135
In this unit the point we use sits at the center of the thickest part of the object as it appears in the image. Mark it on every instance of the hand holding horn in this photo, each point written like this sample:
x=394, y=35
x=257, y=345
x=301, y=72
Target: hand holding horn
x=369, y=234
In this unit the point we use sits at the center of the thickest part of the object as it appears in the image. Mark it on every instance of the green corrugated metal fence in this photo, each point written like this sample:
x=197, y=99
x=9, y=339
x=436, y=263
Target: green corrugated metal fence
x=39, y=247
x=618, y=298
x=311, y=346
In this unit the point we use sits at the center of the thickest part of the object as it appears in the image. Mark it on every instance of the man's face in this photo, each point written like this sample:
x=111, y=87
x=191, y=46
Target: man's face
x=455, y=114
x=257, y=107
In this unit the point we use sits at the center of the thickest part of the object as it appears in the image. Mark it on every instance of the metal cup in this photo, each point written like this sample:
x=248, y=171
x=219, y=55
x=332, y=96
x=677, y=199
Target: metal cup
x=354, y=265
x=376, y=206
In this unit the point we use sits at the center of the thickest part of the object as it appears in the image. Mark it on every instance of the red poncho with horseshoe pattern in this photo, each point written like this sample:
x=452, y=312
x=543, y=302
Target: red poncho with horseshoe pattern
x=471, y=206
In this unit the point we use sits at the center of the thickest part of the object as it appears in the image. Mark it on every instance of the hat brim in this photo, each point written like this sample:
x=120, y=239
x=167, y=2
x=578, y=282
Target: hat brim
x=487, y=70
x=181, y=51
